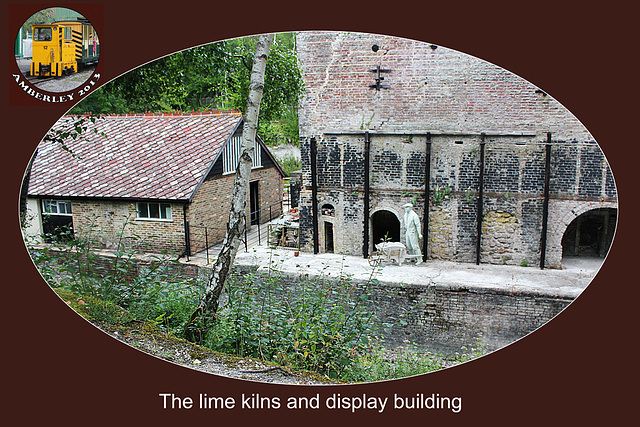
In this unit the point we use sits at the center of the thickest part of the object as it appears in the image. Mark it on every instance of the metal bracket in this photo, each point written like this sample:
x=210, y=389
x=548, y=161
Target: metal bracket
x=378, y=84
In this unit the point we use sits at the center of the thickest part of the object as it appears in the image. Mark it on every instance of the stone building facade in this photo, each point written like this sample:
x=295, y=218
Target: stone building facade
x=498, y=170
x=161, y=180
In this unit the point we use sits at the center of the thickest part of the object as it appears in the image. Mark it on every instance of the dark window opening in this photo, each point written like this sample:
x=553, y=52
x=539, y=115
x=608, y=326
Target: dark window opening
x=57, y=221
x=42, y=34
x=328, y=210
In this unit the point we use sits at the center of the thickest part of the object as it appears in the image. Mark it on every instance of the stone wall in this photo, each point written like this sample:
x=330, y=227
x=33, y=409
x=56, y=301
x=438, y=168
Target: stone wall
x=114, y=222
x=460, y=102
x=437, y=318
x=106, y=220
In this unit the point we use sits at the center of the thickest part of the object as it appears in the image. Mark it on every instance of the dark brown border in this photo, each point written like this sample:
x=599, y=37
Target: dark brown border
x=59, y=368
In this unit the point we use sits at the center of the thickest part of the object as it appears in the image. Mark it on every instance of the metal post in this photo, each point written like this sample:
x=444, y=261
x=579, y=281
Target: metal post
x=427, y=195
x=367, y=149
x=314, y=194
x=246, y=235
x=480, y=200
x=206, y=243
x=545, y=206
x=187, y=238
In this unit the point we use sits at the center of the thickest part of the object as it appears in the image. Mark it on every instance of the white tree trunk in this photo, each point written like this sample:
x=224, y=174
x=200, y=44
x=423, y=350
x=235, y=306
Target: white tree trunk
x=237, y=217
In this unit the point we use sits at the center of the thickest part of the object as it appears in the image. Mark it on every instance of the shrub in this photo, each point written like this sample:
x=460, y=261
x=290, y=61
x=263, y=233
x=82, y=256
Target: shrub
x=315, y=324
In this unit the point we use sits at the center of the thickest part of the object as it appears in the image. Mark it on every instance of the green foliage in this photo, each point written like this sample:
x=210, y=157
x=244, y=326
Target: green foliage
x=314, y=325
x=441, y=194
x=149, y=290
x=325, y=324
x=215, y=75
x=282, y=130
x=376, y=363
x=290, y=164
x=468, y=195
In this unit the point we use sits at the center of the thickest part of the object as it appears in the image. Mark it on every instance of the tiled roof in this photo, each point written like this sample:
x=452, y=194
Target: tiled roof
x=137, y=156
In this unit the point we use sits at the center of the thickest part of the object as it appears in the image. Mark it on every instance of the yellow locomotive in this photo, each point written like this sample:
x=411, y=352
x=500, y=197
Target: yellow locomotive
x=63, y=47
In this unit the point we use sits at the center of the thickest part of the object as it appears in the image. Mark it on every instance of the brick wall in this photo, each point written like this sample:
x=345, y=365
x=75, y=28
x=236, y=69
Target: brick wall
x=107, y=221
x=212, y=201
x=455, y=98
x=442, y=319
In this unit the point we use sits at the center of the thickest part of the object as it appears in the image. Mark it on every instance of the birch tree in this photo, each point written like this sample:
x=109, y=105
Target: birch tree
x=208, y=306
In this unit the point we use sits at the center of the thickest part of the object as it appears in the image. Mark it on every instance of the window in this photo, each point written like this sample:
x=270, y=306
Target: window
x=231, y=155
x=67, y=33
x=42, y=34
x=56, y=207
x=160, y=211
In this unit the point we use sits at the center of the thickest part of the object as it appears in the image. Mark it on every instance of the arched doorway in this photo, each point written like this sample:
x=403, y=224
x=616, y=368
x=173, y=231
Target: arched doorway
x=385, y=225
x=590, y=235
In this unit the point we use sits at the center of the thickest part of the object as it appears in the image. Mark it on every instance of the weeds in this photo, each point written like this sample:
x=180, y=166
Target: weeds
x=290, y=164
x=324, y=324
x=148, y=290
x=314, y=325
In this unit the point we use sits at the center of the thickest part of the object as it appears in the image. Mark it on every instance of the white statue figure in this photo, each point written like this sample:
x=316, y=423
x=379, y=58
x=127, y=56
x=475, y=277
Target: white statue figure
x=413, y=232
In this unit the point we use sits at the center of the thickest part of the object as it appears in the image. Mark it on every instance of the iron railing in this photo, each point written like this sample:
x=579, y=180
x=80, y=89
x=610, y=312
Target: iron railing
x=204, y=239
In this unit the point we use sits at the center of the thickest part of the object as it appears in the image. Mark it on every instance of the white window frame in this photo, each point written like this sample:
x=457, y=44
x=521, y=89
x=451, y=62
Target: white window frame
x=58, y=205
x=231, y=155
x=148, y=212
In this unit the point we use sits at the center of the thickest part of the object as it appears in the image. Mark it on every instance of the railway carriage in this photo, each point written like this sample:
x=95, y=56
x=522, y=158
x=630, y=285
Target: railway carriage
x=63, y=47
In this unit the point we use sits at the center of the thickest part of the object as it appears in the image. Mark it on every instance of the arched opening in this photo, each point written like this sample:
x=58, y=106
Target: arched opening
x=385, y=226
x=328, y=210
x=590, y=235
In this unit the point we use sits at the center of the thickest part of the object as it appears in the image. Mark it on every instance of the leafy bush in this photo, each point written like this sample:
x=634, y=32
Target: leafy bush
x=290, y=164
x=321, y=324
x=315, y=324
x=149, y=290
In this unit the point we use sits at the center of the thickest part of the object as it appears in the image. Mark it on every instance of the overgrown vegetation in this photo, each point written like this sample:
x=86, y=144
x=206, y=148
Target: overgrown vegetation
x=321, y=324
x=441, y=194
x=290, y=164
x=141, y=290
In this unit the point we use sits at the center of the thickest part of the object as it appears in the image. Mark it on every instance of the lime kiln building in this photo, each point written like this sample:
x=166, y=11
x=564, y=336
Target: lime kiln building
x=498, y=170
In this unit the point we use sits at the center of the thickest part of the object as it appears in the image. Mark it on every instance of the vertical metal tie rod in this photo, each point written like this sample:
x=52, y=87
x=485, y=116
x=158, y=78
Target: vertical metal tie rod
x=314, y=194
x=367, y=149
x=545, y=206
x=427, y=195
x=480, y=213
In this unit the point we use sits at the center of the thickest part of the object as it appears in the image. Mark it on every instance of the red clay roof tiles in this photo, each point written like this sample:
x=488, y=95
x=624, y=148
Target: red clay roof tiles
x=141, y=156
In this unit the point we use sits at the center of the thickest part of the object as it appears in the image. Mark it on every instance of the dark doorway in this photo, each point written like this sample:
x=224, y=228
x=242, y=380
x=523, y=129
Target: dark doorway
x=590, y=234
x=254, y=202
x=328, y=237
x=385, y=227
